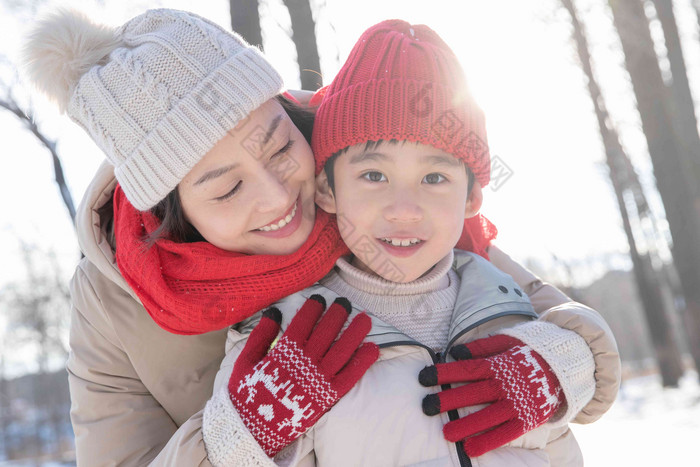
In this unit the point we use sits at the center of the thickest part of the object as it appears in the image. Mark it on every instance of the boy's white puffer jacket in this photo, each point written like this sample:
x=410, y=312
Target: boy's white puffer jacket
x=380, y=421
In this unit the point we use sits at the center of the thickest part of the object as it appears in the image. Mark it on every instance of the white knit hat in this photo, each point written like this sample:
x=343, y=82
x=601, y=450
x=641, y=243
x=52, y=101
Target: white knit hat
x=155, y=95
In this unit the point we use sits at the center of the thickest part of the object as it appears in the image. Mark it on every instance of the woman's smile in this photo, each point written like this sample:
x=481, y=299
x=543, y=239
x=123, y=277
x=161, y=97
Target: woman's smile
x=286, y=225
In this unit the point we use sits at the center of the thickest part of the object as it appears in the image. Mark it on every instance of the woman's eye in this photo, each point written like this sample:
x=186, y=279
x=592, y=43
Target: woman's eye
x=230, y=194
x=433, y=179
x=284, y=149
x=374, y=176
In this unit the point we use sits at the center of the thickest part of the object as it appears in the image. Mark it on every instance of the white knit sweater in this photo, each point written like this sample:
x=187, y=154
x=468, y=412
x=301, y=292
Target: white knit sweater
x=421, y=309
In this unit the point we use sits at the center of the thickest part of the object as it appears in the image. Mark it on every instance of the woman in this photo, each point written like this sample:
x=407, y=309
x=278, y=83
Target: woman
x=212, y=219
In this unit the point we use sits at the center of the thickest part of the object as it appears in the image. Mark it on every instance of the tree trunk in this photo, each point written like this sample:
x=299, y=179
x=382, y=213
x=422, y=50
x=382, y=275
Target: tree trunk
x=675, y=184
x=682, y=105
x=245, y=20
x=304, y=37
x=623, y=178
x=686, y=125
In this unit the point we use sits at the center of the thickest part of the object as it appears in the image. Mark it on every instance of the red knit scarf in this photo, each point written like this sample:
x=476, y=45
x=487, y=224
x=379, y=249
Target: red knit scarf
x=477, y=235
x=193, y=288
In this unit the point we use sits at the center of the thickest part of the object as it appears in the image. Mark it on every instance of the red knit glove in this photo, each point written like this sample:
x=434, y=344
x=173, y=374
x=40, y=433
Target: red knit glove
x=520, y=386
x=281, y=393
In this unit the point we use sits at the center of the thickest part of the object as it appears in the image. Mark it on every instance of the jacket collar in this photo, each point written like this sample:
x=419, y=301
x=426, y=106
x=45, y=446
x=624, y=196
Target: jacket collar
x=94, y=241
x=485, y=293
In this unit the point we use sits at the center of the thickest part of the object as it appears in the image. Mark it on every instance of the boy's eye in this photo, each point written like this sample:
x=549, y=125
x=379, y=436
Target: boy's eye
x=433, y=178
x=374, y=176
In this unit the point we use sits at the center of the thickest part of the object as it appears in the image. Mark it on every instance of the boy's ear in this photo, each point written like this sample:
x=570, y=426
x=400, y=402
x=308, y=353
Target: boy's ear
x=474, y=201
x=324, y=194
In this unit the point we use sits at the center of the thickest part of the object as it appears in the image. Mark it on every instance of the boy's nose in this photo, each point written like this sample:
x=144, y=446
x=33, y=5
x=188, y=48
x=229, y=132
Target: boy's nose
x=403, y=208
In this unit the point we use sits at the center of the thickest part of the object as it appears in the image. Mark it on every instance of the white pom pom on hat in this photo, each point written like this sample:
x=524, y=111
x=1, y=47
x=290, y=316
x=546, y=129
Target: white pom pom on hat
x=155, y=95
x=63, y=46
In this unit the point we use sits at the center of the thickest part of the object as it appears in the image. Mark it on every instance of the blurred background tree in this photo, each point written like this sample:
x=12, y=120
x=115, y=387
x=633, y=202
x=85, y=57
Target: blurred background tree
x=245, y=19
x=671, y=148
x=627, y=188
x=34, y=418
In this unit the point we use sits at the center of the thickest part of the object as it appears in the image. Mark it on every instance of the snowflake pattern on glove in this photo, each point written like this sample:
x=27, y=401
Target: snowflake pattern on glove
x=280, y=393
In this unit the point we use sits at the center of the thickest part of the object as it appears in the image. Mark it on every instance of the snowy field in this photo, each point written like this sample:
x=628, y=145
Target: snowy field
x=647, y=426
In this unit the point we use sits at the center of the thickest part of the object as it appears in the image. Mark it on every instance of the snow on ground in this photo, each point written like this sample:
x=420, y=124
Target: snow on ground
x=647, y=426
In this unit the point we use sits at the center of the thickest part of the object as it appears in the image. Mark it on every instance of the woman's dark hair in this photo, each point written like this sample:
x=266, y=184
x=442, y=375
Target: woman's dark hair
x=174, y=225
x=300, y=116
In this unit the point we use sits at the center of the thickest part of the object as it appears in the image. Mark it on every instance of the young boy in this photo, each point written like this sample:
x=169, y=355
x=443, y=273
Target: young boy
x=401, y=157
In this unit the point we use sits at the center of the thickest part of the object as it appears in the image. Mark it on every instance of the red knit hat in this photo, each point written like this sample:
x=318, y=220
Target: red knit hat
x=401, y=81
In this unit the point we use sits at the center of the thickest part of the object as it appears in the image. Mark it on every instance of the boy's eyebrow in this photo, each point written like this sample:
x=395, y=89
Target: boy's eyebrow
x=368, y=156
x=214, y=173
x=436, y=159
x=441, y=159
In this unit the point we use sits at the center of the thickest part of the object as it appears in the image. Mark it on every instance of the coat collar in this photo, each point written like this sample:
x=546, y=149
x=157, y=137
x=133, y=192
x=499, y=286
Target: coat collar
x=92, y=237
x=485, y=293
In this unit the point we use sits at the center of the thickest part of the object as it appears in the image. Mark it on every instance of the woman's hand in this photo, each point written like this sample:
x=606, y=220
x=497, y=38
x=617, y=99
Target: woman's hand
x=521, y=388
x=282, y=392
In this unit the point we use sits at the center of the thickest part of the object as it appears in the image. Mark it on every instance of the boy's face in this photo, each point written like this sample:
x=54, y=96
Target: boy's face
x=401, y=206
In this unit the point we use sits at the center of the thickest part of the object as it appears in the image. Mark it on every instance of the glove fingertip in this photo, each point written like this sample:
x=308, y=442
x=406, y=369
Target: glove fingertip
x=274, y=314
x=344, y=302
x=364, y=322
x=319, y=298
x=366, y=355
x=453, y=435
x=461, y=352
x=431, y=404
x=473, y=450
x=428, y=376
x=371, y=349
x=364, y=317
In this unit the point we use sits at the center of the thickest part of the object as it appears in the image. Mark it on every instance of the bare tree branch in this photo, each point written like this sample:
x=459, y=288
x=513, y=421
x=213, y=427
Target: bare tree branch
x=27, y=119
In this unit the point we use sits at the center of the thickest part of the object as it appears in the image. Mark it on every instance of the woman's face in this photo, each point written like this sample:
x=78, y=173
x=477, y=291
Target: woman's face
x=254, y=191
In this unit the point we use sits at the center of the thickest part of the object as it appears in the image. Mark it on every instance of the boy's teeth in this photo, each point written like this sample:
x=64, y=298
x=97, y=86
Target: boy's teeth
x=281, y=223
x=401, y=242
